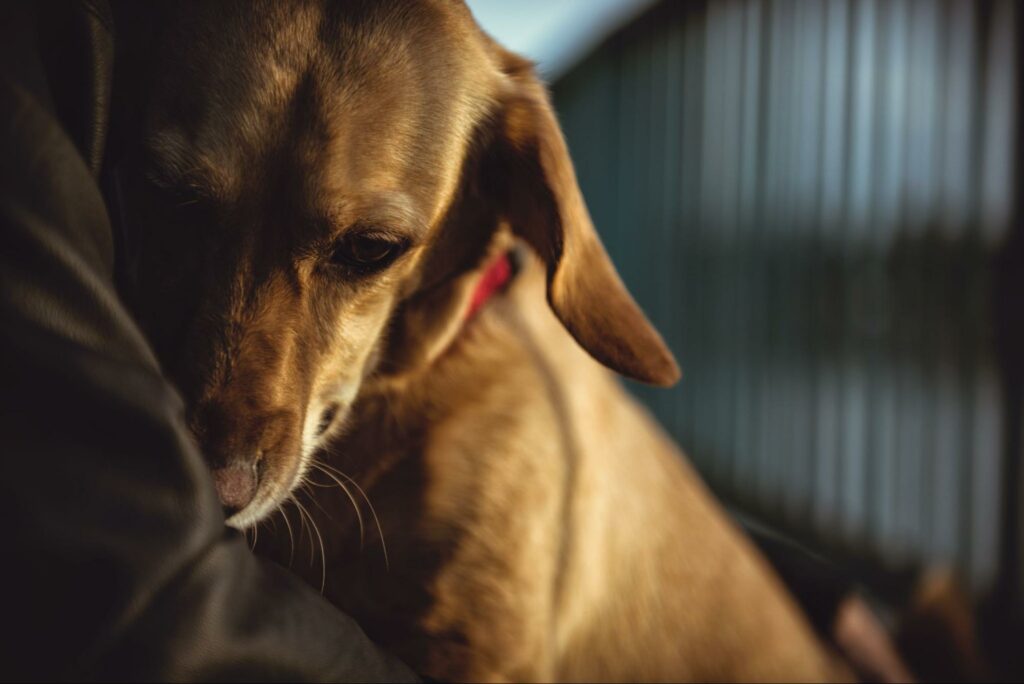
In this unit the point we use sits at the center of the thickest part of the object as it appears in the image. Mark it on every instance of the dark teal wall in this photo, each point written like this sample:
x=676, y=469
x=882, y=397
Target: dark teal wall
x=807, y=198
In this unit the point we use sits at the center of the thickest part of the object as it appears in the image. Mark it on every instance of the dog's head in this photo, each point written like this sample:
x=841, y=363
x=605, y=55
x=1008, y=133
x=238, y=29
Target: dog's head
x=306, y=179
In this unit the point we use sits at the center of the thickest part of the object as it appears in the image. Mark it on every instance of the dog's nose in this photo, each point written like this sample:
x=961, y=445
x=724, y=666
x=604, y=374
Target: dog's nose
x=236, y=485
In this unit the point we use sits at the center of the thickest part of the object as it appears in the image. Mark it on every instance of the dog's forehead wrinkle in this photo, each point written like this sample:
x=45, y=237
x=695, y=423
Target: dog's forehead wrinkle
x=386, y=90
x=392, y=211
x=177, y=162
x=353, y=96
x=296, y=58
x=238, y=114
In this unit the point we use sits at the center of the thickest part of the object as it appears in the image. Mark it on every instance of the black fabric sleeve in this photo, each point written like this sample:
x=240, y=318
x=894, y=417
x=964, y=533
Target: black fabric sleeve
x=117, y=563
x=818, y=585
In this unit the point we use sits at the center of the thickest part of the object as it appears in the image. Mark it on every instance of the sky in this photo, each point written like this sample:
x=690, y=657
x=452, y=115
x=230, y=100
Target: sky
x=555, y=34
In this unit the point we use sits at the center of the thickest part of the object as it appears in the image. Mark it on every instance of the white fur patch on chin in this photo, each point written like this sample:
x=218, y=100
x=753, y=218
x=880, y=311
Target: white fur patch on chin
x=342, y=395
x=243, y=519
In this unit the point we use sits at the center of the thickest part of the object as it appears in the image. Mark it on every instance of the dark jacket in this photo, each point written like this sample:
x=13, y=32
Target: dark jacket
x=117, y=563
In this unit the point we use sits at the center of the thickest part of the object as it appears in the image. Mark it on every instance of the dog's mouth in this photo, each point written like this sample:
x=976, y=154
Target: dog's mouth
x=249, y=491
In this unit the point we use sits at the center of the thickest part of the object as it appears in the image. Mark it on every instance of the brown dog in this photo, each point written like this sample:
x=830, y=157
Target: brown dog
x=322, y=188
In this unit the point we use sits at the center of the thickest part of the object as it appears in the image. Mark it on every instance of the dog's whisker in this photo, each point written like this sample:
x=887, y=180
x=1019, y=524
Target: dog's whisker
x=373, y=512
x=302, y=519
x=320, y=540
x=305, y=487
x=269, y=520
x=291, y=536
x=355, y=504
x=316, y=502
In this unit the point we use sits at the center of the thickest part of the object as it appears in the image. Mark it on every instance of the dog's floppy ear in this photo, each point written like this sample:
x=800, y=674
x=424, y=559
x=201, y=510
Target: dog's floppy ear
x=531, y=174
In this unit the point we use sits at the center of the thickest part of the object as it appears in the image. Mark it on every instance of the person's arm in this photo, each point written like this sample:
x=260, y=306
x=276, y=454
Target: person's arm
x=117, y=564
x=833, y=604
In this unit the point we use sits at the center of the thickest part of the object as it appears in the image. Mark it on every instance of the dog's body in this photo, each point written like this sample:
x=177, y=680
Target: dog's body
x=540, y=525
x=327, y=182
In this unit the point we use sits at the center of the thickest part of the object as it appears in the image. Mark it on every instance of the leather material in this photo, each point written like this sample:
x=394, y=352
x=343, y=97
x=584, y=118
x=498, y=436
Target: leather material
x=117, y=561
x=77, y=46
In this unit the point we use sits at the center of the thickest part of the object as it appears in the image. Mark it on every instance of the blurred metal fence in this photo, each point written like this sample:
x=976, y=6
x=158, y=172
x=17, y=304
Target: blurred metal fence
x=807, y=198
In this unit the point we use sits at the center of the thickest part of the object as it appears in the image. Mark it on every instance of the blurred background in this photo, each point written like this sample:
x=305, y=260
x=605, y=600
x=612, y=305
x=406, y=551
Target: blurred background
x=816, y=202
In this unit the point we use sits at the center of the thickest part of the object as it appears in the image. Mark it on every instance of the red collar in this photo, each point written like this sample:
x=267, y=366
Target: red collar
x=494, y=279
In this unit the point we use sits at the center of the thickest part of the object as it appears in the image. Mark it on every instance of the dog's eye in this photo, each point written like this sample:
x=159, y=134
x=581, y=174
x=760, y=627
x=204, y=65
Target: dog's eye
x=367, y=251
